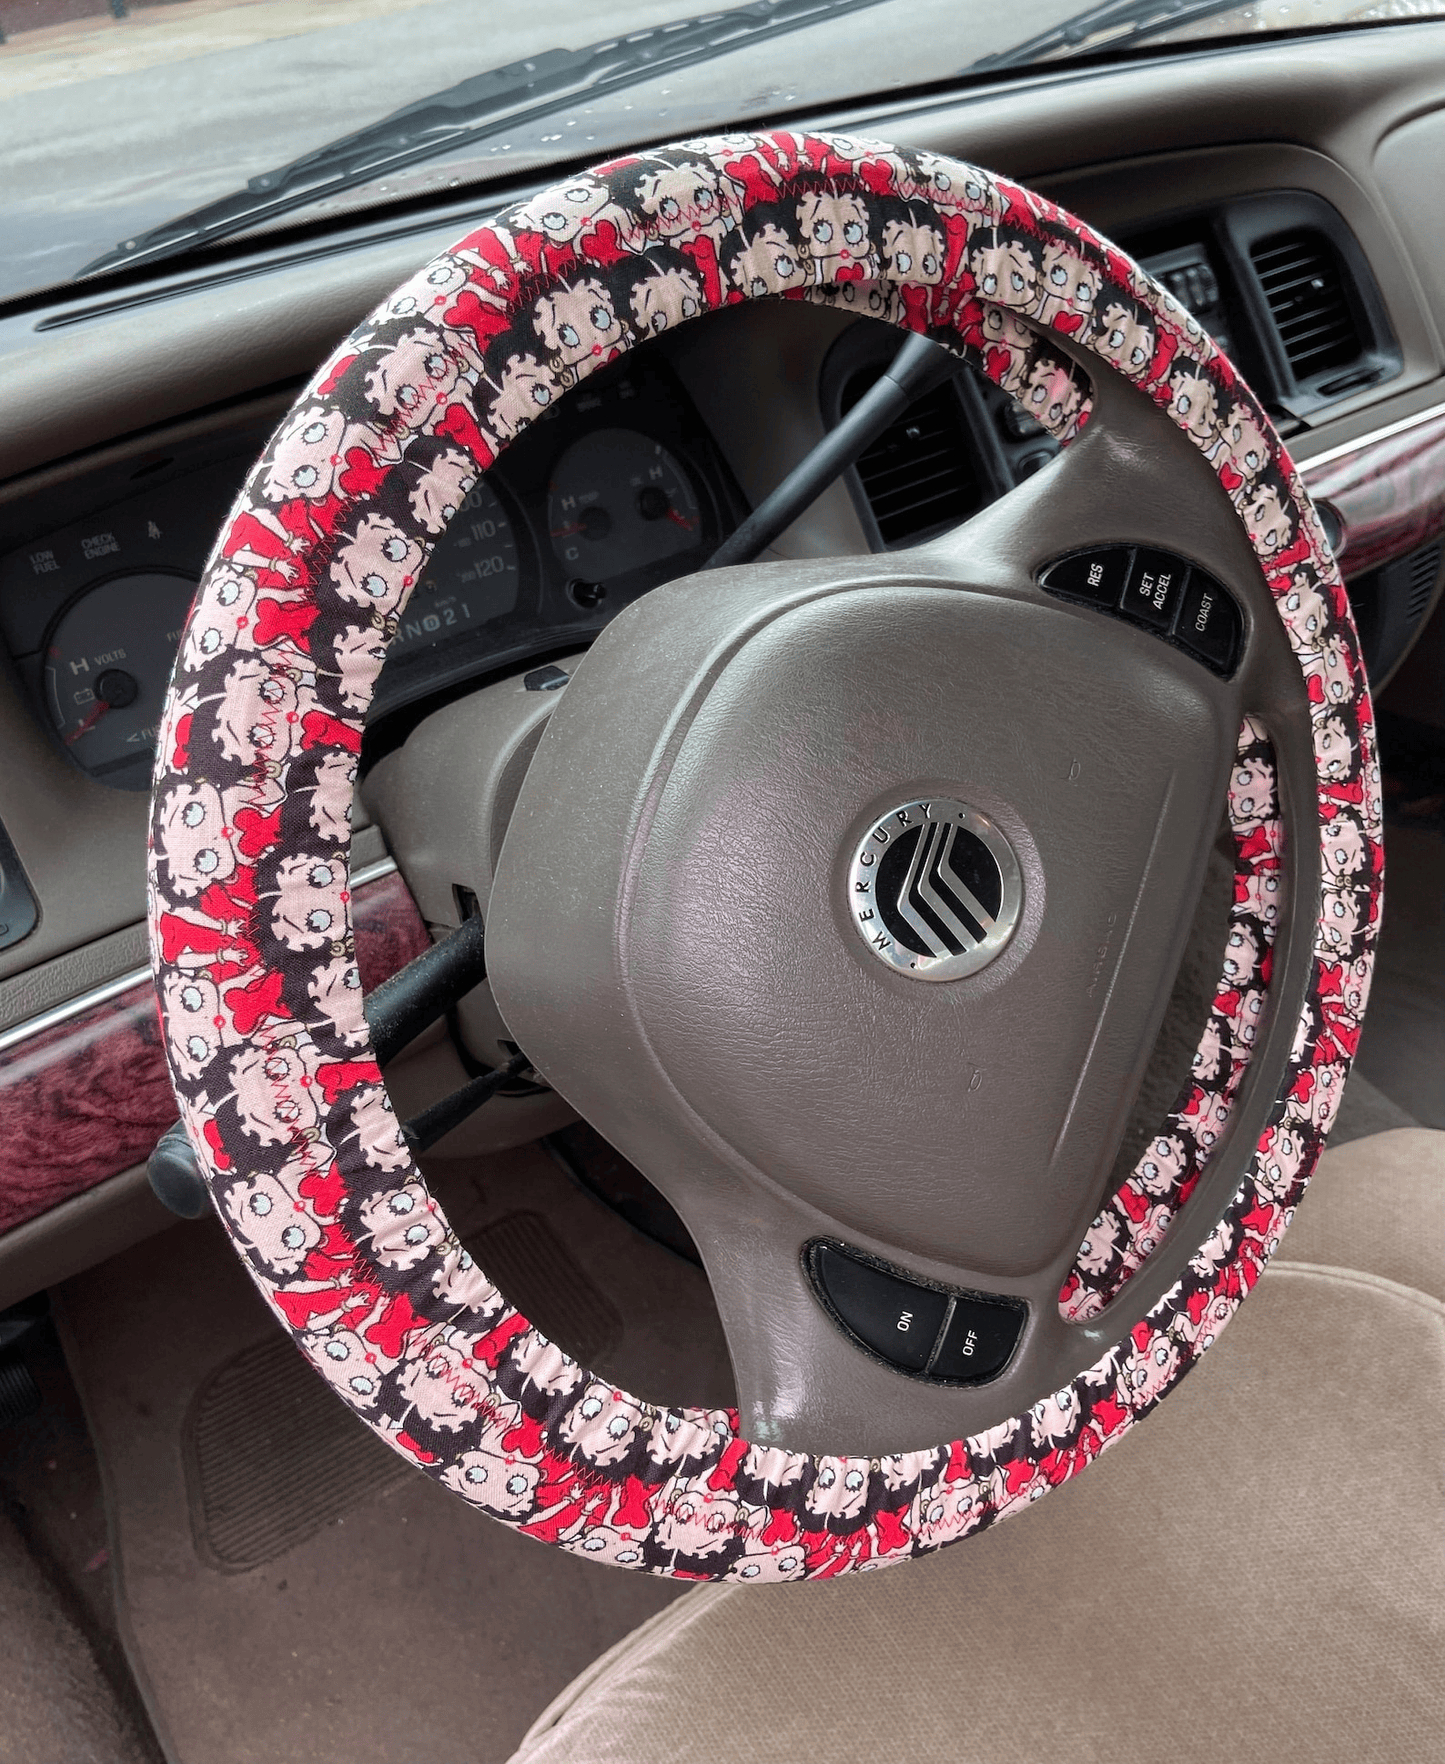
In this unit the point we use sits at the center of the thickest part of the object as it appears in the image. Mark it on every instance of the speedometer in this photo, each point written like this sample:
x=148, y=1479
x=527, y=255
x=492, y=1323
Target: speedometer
x=474, y=576
x=107, y=662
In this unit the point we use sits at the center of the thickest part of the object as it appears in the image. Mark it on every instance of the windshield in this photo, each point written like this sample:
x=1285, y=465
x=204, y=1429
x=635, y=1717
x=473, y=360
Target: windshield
x=119, y=116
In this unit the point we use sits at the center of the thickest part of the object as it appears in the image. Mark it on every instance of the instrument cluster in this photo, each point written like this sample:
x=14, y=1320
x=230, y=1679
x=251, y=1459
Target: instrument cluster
x=616, y=490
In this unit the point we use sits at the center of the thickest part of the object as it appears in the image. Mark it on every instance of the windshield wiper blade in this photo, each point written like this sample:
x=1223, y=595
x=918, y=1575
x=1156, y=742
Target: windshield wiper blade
x=1105, y=26
x=503, y=99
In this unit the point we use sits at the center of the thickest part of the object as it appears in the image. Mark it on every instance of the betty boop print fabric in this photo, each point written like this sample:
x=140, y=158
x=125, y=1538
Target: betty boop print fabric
x=250, y=910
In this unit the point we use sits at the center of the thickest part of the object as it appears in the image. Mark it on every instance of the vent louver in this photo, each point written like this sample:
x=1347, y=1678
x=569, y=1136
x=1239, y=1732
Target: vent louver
x=918, y=476
x=1301, y=279
x=1424, y=567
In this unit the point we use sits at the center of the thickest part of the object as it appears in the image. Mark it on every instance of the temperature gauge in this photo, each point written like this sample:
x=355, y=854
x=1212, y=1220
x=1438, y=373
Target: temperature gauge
x=108, y=661
x=618, y=502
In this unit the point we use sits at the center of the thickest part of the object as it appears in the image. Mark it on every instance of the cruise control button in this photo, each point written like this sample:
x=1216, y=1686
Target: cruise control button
x=1097, y=576
x=1154, y=589
x=1209, y=623
x=898, y=1320
x=980, y=1341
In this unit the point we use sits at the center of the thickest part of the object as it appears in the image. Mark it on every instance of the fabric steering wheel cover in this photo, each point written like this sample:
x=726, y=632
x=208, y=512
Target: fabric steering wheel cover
x=256, y=768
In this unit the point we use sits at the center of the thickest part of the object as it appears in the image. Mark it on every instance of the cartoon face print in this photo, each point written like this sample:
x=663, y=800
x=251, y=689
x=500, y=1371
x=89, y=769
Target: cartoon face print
x=331, y=796
x=442, y=489
x=500, y=1483
x=664, y=299
x=414, y=378
x=1126, y=339
x=1067, y=289
x=1278, y=1170
x=839, y=1489
x=225, y=618
x=359, y=653
x=1163, y=1165
x=525, y=389
x=460, y=1281
x=1149, y=1233
x=1150, y=1369
x=579, y=324
x=682, y=201
x=259, y=717
x=602, y=1425
x=335, y=989
x=835, y=233
x=1251, y=794
x=676, y=1437
x=1005, y=271
x=344, y=1359
x=275, y=1096
x=310, y=907
x=304, y=459
x=376, y=565
x=1242, y=955
x=620, y=1549
x=1305, y=613
x=774, y=1467
x=1212, y=1057
x=1053, y=1419
x=1259, y=896
x=378, y=1129
x=196, y=1026
x=401, y=1225
x=432, y=288
x=271, y=1222
x=1050, y=395
x=544, y=1366
x=765, y=1563
x=768, y=264
x=1101, y=1244
x=194, y=840
x=1344, y=849
x=697, y=1522
x=1194, y=405
x=913, y=252
x=1336, y=676
x=442, y=1388
x=1334, y=750
x=564, y=211
x=942, y=1515
x=1340, y=921
x=1244, y=444
x=1270, y=526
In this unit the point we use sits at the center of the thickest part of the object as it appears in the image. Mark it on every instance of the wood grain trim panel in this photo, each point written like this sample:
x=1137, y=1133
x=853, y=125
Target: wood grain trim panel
x=89, y=1097
x=1390, y=492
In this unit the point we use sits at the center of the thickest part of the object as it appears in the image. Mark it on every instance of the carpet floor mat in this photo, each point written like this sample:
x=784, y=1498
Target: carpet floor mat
x=286, y=1586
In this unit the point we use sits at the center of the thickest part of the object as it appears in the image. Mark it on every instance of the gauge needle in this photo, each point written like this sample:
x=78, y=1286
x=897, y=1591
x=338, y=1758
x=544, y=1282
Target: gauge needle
x=681, y=519
x=101, y=707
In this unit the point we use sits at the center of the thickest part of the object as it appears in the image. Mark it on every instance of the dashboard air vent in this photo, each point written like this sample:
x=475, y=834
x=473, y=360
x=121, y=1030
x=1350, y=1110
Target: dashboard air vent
x=1301, y=279
x=918, y=476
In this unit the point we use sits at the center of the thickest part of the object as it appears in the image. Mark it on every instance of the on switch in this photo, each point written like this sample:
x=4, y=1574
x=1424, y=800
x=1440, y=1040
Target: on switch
x=898, y=1320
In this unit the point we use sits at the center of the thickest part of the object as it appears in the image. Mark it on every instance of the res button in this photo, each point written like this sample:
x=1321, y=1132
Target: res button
x=1097, y=577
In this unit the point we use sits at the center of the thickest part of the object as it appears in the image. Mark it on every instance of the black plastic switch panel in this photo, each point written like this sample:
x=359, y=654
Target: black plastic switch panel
x=1099, y=576
x=18, y=911
x=1167, y=595
x=898, y=1320
x=1155, y=587
x=979, y=1341
x=1209, y=625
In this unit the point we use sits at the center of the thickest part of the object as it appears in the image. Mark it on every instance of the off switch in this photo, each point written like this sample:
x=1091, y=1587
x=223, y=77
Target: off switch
x=898, y=1320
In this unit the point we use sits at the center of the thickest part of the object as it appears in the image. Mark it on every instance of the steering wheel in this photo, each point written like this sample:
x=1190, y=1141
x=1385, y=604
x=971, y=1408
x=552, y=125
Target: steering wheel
x=843, y=896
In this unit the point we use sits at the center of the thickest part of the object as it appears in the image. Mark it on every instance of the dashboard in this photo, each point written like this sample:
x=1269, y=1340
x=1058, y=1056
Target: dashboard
x=614, y=491
x=132, y=413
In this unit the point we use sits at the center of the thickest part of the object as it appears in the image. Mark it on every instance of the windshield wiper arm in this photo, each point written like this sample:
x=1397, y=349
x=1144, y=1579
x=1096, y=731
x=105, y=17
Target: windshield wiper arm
x=505, y=98
x=1115, y=22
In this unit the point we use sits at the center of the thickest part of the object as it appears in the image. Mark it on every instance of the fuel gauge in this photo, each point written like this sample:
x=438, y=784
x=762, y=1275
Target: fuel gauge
x=617, y=502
